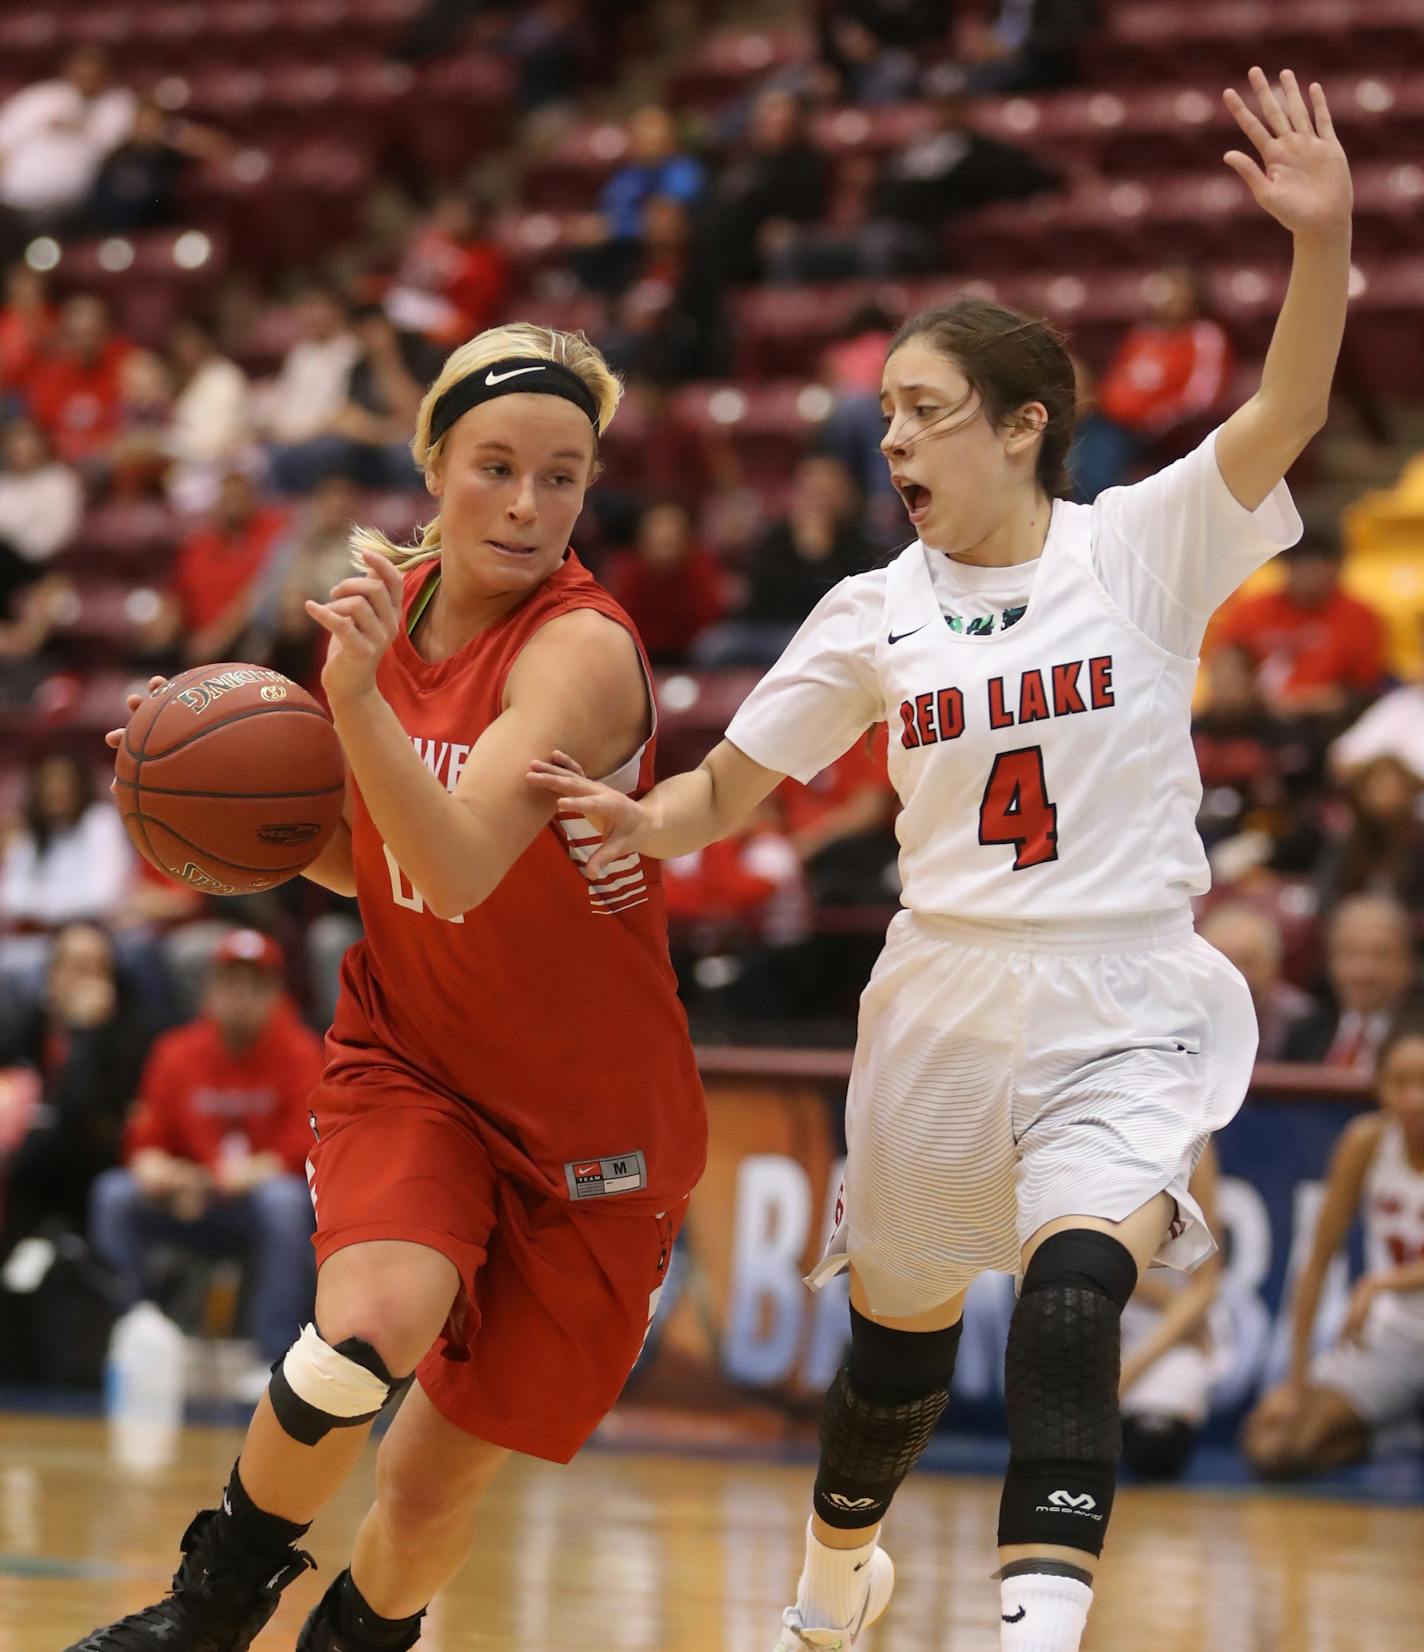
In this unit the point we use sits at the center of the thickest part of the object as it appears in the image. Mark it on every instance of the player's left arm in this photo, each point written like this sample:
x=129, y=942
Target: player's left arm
x=577, y=685
x=1303, y=181
x=1185, y=1310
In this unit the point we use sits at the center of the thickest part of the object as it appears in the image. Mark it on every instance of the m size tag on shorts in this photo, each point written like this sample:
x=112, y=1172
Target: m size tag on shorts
x=594, y=1178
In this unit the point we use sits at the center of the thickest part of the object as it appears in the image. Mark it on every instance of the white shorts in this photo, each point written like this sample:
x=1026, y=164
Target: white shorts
x=1176, y=1385
x=1382, y=1376
x=1009, y=1074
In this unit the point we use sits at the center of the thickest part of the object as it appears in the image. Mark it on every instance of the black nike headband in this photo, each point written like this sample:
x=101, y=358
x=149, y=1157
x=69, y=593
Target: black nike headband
x=522, y=375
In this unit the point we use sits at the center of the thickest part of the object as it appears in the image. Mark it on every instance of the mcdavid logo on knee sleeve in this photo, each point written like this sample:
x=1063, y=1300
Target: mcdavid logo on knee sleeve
x=1067, y=1502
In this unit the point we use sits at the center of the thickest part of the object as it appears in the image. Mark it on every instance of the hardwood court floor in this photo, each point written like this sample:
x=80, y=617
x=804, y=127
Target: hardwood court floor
x=662, y=1554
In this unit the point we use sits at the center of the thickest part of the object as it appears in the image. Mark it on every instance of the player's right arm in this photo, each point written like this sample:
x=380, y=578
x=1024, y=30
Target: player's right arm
x=679, y=815
x=1343, y=1187
x=809, y=709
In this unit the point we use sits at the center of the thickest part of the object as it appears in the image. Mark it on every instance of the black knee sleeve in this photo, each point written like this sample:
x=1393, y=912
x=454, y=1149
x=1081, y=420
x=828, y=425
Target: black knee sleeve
x=879, y=1415
x=1060, y=1391
x=1157, y=1445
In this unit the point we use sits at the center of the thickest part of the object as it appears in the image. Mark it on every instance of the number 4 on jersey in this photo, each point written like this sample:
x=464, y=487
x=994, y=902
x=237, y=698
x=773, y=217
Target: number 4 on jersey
x=1016, y=808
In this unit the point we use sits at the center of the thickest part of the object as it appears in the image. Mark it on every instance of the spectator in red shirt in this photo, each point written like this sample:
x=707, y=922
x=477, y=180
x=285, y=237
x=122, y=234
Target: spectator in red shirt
x=74, y=389
x=1319, y=651
x=1172, y=367
x=27, y=320
x=672, y=587
x=453, y=279
x=215, y=1149
x=209, y=603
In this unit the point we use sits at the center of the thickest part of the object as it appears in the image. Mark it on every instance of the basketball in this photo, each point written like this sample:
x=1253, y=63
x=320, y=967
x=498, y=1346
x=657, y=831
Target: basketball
x=230, y=778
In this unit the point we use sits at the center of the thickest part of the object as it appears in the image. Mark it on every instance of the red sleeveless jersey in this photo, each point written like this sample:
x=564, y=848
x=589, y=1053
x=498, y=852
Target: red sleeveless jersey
x=551, y=1010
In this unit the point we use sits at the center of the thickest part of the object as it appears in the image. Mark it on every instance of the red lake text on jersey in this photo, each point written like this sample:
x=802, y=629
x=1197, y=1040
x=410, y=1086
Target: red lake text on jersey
x=1032, y=697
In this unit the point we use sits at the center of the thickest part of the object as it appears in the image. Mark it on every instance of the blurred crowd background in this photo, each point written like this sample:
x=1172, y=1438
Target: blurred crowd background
x=238, y=237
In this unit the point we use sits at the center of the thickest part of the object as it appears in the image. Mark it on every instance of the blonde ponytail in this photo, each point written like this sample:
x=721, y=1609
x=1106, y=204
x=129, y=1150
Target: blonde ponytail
x=519, y=338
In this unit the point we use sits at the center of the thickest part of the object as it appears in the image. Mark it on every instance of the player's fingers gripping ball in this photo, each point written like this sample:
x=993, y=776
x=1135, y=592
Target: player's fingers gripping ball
x=229, y=778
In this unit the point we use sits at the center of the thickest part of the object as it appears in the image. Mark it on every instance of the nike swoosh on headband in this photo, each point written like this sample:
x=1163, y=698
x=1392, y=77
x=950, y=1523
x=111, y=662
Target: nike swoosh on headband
x=498, y=378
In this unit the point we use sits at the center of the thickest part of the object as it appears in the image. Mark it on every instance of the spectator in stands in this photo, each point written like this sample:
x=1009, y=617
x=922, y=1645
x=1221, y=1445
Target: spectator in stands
x=137, y=458
x=212, y=417
x=668, y=457
x=27, y=323
x=40, y=504
x=1251, y=939
x=839, y=825
x=137, y=186
x=1320, y=652
x=1392, y=727
x=672, y=587
x=1372, y=973
x=1172, y=368
x=547, y=40
x=851, y=369
x=70, y=858
x=453, y=277
x=215, y=1149
x=1331, y=1406
x=310, y=390
x=1102, y=452
x=209, y=603
x=1378, y=847
x=86, y=1041
x=780, y=176
x=819, y=541
x=74, y=390
x=54, y=136
x=610, y=241
x=1030, y=45
x=874, y=47
x=368, y=437
x=312, y=557
x=953, y=168
x=1248, y=757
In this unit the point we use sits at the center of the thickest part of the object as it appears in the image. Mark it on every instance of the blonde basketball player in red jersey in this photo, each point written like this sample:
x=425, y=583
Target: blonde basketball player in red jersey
x=511, y=1120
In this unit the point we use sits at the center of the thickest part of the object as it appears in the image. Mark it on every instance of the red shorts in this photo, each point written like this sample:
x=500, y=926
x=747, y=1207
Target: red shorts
x=556, y=1300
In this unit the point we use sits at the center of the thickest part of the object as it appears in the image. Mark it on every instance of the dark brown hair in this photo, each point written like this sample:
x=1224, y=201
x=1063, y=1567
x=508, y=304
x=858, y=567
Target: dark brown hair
x=1010, y=359
x=1408, y=1023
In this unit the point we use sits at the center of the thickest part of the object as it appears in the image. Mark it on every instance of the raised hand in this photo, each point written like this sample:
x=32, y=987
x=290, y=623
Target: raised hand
x=623, y=823
x=363, y=617
x=1303, y=179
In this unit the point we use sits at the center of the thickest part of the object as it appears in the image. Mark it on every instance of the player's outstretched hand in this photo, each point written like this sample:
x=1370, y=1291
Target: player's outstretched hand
x=1303, y=179
x=363, y=617
x=623, y=823
x=133, y=702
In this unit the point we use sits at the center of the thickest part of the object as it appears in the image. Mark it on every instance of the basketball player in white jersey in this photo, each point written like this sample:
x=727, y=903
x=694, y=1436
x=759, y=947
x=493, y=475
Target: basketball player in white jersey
x=1044, y=1045
x=1328, y=1408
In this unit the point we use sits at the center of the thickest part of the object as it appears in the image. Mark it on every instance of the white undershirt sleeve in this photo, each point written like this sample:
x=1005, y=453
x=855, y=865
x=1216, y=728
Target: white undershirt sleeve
x=1170, y=549
x=822, y=693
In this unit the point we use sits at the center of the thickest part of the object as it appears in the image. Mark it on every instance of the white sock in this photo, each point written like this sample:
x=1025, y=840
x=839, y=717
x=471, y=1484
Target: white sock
x=832, y=1587
x=1042, y=1613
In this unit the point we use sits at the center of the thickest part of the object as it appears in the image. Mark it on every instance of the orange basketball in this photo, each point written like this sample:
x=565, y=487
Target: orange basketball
x=230, y=778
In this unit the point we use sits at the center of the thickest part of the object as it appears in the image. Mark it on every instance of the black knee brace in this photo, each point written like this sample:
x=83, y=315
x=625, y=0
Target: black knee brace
x=1060, y=1391
x=316, y=1386
x=1157, y=1445
x=878, y=1418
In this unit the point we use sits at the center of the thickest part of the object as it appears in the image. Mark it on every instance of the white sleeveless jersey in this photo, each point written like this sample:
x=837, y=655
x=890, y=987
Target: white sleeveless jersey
x=1393, y=1214
x=1045, y=771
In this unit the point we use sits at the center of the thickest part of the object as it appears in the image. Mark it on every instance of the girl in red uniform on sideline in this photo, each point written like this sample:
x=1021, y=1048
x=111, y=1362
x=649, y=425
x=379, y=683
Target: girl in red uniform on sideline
x=510, y=1119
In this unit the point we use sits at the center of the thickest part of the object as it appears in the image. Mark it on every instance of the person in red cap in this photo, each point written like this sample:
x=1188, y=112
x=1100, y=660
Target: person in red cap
x=215, y=1148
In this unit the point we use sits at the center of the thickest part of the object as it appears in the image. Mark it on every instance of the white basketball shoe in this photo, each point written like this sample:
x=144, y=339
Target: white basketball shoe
x=797, y=1636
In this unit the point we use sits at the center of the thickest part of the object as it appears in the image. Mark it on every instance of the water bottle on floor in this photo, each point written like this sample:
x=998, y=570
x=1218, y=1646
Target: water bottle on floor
x=143, y=1388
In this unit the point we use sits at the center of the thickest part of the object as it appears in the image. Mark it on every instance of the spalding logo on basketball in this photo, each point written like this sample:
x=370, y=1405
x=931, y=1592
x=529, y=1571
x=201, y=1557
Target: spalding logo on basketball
x=230, y=778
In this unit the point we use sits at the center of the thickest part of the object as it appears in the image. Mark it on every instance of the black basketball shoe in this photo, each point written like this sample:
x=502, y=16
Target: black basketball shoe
x=336, y=1625
x=222, y=1595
